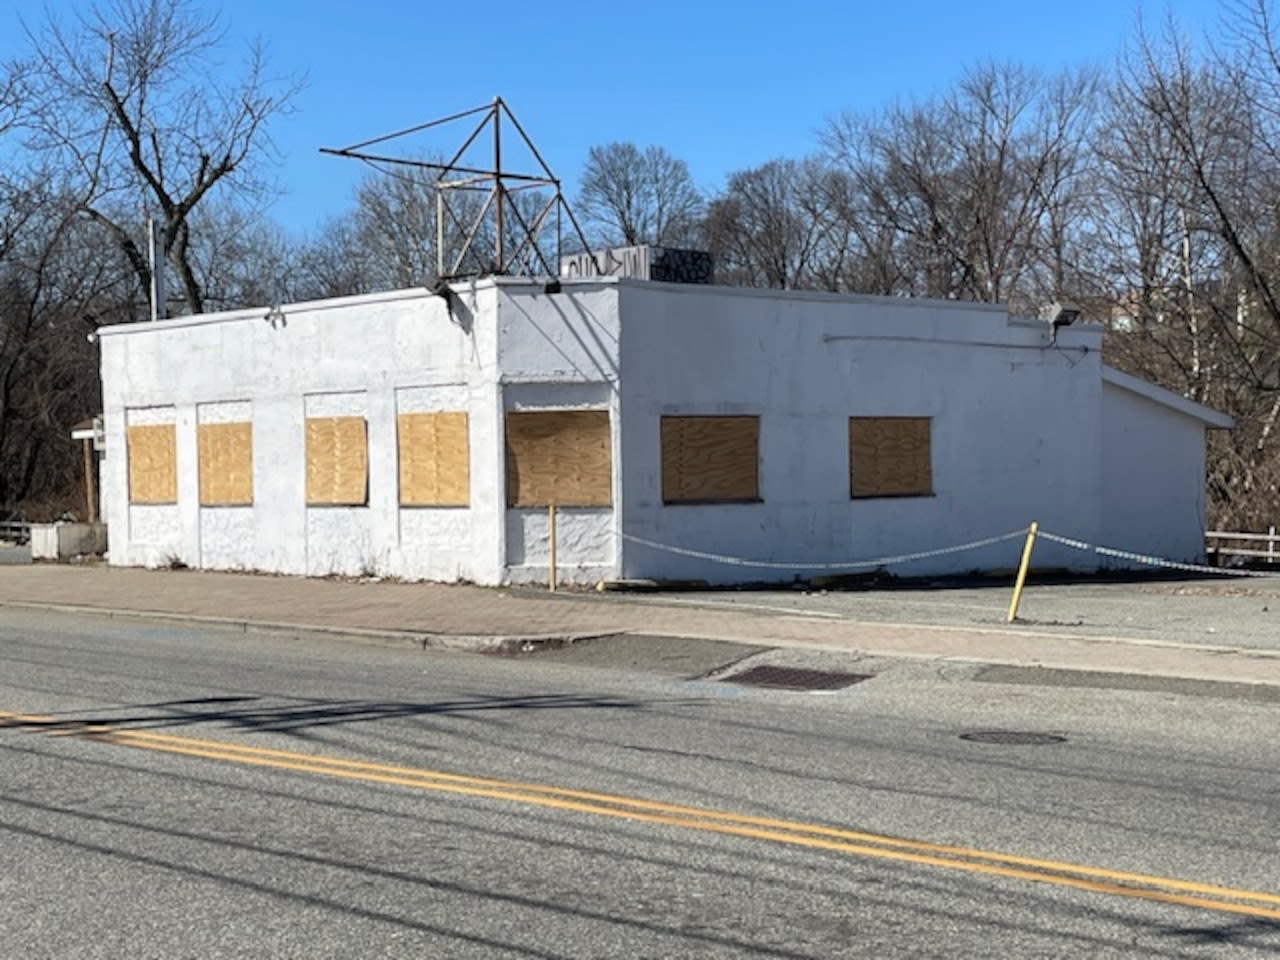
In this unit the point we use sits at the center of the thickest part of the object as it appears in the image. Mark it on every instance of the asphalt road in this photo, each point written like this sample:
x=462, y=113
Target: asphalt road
x=169, y=792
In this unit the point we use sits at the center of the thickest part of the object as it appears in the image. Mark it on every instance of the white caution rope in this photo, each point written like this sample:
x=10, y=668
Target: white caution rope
x=843, y=565
x=888, y=561
x=1151, y=561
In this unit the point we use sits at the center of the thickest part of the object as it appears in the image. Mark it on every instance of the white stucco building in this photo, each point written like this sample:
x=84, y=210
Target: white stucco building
x=423, y=436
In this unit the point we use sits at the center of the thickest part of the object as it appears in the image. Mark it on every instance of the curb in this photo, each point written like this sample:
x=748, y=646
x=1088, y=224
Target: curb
x=514, y=645
x=489, y=644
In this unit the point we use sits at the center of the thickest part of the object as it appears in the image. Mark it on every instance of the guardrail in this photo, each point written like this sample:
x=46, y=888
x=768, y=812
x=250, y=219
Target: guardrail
x=14, y=531
x=1252, y=546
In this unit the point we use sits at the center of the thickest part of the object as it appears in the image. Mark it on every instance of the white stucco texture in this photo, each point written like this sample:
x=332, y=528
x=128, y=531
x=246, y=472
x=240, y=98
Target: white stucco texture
x=1021, y=429
x=1153, y=463
x=344, y=357
x=1014, y=427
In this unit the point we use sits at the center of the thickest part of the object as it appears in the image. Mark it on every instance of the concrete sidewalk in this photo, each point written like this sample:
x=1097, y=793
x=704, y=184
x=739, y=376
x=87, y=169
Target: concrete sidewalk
x=512, y=620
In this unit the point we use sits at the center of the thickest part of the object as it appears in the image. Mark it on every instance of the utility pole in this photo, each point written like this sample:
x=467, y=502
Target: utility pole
x=156, y=242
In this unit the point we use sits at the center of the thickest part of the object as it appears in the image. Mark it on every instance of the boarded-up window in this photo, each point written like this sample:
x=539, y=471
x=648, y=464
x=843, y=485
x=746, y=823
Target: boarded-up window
x=435, y=459
x=153, y=463
x=226, y=464
x=560, y=457
x=710, y=459
x=889, y=457
x=337, y=462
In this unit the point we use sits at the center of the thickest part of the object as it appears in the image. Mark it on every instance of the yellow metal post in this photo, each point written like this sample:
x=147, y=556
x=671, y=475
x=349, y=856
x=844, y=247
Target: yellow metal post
x=1022, y=571
x=551, y=541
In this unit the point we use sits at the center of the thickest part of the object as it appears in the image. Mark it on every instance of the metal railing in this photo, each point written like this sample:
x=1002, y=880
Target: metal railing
x=14, y=531
x=1254, y=547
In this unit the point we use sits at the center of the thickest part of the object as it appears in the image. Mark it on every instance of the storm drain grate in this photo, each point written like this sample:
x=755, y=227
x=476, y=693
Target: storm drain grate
x=1012, y=737
x=795, y=678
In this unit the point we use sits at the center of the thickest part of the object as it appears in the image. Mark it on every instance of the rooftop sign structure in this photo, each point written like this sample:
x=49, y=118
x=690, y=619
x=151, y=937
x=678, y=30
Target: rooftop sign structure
x=489, y=220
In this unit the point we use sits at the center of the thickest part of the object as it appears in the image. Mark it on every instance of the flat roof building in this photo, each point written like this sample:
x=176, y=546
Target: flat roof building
x=680, y=431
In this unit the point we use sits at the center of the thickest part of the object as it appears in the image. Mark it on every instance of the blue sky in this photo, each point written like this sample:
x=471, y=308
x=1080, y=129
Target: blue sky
x=723, y=86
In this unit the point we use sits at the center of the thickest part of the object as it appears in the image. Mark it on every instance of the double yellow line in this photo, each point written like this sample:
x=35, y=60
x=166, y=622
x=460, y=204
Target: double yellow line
x=1093, y=879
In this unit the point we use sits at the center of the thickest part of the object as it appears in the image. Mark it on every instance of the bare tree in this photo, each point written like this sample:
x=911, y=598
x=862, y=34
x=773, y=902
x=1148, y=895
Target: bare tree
x=773, y=225
x=1156, y=268
x=122, y=99
x=240, y=258
x=631, y=196
x=59, y=279
x=11, y=76
x=333, y=262
x=395, y=221
x=970, y=195
x=1221, y=120
x=1204, y=277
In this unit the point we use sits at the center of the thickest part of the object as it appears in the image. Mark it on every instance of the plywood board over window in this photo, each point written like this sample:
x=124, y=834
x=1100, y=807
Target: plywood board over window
x=559, y=457
x=226, y=464
x=711, y=459
x=337, y=462
x=890, y=457
x=153, y=463
x=435, y=459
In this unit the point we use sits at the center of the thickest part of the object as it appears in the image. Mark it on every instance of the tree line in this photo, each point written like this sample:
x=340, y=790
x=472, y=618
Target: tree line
x=1148, y=193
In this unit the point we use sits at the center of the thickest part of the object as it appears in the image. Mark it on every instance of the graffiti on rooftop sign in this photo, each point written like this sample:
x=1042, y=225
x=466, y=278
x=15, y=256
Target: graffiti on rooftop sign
x=665, y=264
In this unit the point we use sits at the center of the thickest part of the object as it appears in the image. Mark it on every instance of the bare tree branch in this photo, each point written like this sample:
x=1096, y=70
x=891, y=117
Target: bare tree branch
x=139, y=118
x=631, y=196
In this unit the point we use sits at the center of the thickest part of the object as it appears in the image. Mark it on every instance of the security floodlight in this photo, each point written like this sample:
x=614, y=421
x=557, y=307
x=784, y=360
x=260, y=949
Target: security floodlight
x=1060, y=314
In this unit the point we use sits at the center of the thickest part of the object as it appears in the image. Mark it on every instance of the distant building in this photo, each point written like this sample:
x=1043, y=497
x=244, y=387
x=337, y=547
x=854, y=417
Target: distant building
x=424, y=435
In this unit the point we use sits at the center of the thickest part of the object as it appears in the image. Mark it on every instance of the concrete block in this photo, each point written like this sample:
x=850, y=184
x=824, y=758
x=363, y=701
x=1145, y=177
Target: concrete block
x=62, y=541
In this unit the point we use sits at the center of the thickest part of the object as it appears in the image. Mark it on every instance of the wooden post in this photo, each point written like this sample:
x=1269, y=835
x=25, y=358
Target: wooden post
x=90, y=487
x=1022, y=571
x=551, y=542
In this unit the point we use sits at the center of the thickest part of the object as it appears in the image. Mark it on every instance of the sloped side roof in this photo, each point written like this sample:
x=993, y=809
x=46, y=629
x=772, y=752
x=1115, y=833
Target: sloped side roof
x=1167, y=398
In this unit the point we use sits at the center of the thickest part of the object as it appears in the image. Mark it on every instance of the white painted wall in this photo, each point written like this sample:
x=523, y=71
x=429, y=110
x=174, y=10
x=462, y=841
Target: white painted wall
x=1022, y=430
x=153, y=533
x=1015, y=421
x=438, y=538
x=1153, y=468
x=226, y=534
x=560, y=352
x=499, y=346
x=340, y=539
x=369, y=356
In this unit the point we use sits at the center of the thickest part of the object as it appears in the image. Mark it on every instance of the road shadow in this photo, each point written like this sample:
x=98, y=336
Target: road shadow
x=1239, y=933
x=257, y=714
x=884, y=581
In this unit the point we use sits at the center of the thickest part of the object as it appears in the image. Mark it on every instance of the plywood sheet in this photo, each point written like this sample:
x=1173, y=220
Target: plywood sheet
x=226, y=464
x=337, y=461
x=710, y=459
x=435, y=459
x=560, y=457
x=890, y=457
x=153, y=463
